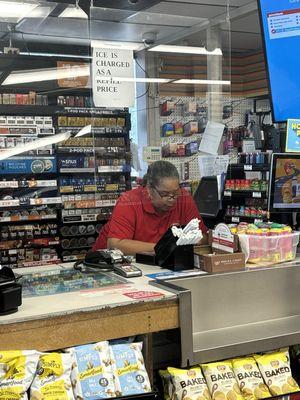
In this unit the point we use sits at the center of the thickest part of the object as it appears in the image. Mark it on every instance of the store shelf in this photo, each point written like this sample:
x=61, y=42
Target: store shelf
x=28, y=184
x=73, y=257
x=77, y=170
x=30, y=218
x=242, y=218
x=92, y=112
x=29, y=110
x=95, y=130
x=249, y=167
x=13, y=244
x=245, y=194
x=112, y=169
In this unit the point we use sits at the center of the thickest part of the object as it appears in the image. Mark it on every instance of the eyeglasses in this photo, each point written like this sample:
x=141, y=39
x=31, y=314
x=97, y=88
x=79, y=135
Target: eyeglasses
x=168, y=196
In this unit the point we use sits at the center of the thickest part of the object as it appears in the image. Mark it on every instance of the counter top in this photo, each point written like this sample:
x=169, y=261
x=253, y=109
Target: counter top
x=56, y=321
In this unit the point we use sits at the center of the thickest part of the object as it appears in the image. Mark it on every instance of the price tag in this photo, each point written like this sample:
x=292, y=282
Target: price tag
x=235, y=219
x=247, y=167
x=9, y=184
x=256, y=195
x=227, y=193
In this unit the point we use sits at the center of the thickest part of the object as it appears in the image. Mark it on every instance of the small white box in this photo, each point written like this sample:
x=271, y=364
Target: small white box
x=3, y=120
x=48, y=123
x=11, y=120
x=20, y=121
x=39, y=121
x=29, y=121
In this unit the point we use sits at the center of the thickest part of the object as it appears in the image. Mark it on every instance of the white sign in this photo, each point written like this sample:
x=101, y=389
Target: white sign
x=211, y=138
x=213, y=165
x=113, y=77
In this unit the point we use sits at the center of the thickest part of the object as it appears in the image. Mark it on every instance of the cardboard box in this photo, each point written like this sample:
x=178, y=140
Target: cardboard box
x=222, y=241
x=216, y=263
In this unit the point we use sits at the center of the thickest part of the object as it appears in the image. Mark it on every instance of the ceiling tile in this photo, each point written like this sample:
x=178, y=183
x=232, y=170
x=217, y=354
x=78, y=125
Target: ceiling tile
x=192, y=10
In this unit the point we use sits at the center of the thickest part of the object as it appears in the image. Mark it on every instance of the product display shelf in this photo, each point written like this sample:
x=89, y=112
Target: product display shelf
x=242, y=218
x=249, y=167
x=255, y=194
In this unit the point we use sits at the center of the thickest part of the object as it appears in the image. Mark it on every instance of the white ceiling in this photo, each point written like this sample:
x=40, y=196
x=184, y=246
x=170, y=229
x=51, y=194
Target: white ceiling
x=172, y=20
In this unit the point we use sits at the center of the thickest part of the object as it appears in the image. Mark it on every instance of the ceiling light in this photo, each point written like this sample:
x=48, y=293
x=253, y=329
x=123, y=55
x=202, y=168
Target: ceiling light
x=15, y=10
x=73, y=12
x=163, y=48
x=104, y=44
x=202, y=82
x=46, y=75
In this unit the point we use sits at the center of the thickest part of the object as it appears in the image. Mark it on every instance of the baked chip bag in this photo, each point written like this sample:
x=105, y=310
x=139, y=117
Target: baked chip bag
x=189, y=384
x=17, y=369
x=92, y=375
x=167, y=384
x=249, y=378
x=221, y=381
x=53, y=378
x=129, y=369
x=276, y=371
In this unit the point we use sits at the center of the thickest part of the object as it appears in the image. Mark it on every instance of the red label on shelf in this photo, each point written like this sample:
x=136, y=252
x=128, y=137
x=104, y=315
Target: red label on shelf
x=142, y=294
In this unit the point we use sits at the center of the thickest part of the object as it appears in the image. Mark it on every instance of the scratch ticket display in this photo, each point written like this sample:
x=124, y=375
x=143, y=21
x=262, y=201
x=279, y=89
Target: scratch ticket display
x=129, y=369
x=17, y=369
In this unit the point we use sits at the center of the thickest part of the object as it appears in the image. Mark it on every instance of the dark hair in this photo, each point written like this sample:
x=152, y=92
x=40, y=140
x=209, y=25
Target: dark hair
x=159, y=170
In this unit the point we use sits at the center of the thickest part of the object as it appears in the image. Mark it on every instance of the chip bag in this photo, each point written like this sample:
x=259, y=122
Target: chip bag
x=92, y=375
x=167, y=384
x=189, y=384
x=249, y=378
x=53, y=378
x=129, y=369
x=276, y=371
x=17, y=369
x=221, y=381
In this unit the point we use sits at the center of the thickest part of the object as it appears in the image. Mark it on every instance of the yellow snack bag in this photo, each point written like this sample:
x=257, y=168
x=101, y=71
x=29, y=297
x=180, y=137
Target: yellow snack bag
x=17, y=369
x=53, y=378
x=167, y=384
x=189, y=384
x=276, y=371
x=249, y=378
x=221, y=381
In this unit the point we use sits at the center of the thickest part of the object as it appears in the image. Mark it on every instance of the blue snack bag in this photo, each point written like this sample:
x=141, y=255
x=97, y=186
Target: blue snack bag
x=92, y=376
x=129, y=369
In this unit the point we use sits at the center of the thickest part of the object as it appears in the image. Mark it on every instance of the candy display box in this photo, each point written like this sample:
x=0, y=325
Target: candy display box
x=269, y=249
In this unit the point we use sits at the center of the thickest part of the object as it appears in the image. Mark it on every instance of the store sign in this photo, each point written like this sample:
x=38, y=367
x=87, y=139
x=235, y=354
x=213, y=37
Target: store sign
x=73, y=74
x=293, y=136
x=113, y=78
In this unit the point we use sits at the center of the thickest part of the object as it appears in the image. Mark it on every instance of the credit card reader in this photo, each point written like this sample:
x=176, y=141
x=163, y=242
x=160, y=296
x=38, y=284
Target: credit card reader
x=127, y=270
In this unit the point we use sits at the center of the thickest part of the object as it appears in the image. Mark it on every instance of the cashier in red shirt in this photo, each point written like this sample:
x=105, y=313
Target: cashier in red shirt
x=142, y=216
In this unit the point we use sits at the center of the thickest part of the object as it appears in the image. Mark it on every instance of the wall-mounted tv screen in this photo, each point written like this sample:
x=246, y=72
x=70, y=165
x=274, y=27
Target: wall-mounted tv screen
x=280, y=22
x=284, y=185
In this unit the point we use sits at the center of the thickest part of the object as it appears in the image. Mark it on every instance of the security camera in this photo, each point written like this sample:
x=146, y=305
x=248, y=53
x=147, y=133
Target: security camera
x=149, y=38
x=133, y=1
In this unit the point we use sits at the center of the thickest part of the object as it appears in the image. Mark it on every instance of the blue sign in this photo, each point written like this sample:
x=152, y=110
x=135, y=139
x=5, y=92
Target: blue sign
x=293, y=136
x=28, y=165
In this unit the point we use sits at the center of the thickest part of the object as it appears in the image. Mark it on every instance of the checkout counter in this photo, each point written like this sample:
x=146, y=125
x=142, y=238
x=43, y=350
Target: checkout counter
x=220, y=315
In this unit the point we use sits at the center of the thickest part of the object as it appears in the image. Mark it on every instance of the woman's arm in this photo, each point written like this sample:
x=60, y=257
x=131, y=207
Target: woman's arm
x=130, y=247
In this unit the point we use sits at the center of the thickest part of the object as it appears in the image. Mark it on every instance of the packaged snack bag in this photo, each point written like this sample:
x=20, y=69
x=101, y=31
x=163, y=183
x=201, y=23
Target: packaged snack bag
x=189, y=384
x=53, y=378
x=276, y=371
x=17, y=369
x=249, y=378
x=221, y=381
x=92, y=375
x=167, y=384
x=129, y=369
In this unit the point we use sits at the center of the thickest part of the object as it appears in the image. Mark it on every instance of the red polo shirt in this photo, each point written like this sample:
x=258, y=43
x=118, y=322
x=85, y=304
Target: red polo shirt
x=135, y=218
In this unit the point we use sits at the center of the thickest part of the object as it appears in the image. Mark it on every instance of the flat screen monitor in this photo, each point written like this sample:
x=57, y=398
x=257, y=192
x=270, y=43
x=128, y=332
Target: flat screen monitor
x=206, y=196
x=280, y=23
x=284, y=186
